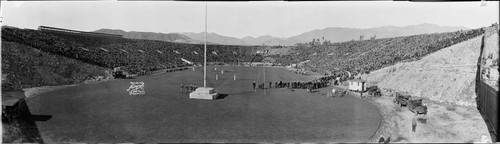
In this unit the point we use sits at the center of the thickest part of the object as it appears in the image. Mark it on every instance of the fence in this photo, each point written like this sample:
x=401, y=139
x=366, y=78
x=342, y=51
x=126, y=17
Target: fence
x=488, y=102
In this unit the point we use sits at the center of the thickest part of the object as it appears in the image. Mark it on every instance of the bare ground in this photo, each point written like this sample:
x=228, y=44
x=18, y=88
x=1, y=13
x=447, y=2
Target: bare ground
x=443, y=123
x=446, y=81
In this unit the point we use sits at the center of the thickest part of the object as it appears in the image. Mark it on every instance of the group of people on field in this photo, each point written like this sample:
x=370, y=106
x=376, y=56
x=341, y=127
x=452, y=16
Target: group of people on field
x=176, y=69
x=310, y=86
x=187, y=88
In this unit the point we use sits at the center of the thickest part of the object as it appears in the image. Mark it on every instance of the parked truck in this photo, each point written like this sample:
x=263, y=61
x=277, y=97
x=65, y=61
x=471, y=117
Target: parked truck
x=416, y=106
x=374, y=90
x=401, y=99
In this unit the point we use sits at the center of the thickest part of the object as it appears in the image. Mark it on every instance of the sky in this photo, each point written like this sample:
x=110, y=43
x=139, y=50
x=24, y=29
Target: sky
x=240, y=19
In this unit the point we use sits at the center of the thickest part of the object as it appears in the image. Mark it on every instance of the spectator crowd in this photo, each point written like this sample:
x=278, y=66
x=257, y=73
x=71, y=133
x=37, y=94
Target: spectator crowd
x=363, y=56
x=134, y=56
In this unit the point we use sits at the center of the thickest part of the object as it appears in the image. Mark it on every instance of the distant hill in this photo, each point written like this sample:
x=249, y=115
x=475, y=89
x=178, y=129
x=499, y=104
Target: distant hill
x=215, y=38
x=170, y=37
x=334, y=34
x=260, y=40
x=338, y=34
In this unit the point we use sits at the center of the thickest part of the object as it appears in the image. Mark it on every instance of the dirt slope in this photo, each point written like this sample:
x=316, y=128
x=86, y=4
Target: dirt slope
x=447, y=75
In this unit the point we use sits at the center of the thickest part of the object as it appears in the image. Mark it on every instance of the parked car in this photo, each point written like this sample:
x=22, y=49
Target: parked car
x=401, y=99
x=375, y=91
x=416, y=106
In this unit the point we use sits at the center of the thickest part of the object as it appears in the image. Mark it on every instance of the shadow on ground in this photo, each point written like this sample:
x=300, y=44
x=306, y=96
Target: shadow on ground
x=222, y=96
x=23, y=128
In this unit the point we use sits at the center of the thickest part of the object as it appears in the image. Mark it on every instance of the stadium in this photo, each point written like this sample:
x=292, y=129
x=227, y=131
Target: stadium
x=64, y=85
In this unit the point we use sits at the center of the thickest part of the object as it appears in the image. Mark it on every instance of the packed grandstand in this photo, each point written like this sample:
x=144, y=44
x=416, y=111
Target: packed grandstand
x=363, y=56
x=142, y=56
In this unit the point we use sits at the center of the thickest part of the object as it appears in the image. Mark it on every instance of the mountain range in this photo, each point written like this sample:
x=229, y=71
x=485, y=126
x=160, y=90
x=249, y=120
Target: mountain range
x=170, y=37
x=333, y=34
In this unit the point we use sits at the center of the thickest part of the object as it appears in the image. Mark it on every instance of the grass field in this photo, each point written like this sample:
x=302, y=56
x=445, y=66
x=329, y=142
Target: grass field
x=104, y=112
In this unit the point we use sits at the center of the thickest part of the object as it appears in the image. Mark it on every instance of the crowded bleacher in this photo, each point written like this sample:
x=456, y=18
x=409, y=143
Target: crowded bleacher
x=140, y=57
x=113, y=52
x=363, y=56
x=136, y=57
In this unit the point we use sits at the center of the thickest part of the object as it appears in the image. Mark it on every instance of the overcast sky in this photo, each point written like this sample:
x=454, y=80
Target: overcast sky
x=239, y=19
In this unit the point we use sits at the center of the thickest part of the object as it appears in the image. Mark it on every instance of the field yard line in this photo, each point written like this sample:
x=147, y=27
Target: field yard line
x=288, y=74
x=258, y=76
x=264, y=73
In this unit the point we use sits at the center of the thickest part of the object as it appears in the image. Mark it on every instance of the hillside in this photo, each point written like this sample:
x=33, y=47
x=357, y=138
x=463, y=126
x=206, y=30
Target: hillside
x=260, y=40
x=171, y=37
x=24, y=67
x=333, y=34
x=216, y=38
x=447, y=75
x=339, y=34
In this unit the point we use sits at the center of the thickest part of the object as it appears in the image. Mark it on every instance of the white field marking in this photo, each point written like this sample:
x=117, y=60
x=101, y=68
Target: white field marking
x=186, y=61
x=177, y=52
x=84, y=49
x=104, y=49
x=141, y=51
x=124, y=50
x=159, y=51
x=136, y=88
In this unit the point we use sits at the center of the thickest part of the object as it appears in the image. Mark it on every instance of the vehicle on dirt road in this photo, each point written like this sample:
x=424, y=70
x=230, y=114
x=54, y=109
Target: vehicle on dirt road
x=374, y=91
x=401, y=99
x=416, y=106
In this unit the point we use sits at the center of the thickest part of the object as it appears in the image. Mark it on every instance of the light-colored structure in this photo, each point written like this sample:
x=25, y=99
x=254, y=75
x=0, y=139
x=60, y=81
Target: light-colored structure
x=357, y=85
x=206, y=93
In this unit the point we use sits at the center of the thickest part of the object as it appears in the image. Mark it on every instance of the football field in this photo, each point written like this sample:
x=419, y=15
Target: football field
x=105, y=112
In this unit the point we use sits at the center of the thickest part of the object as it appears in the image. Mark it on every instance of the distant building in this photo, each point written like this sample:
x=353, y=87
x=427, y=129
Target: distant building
x=357, y=85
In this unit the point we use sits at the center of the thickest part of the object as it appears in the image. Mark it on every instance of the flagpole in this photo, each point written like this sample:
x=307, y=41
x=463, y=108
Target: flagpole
x=205, y=59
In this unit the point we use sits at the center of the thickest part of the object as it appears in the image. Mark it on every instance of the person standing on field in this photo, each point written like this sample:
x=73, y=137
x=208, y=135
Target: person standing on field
x=182, y=88
x=414, y=124
x=254, y=85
